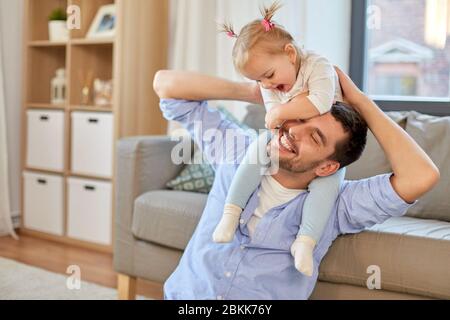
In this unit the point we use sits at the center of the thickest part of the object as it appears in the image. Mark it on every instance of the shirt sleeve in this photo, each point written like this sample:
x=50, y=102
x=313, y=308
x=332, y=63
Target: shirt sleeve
x=209, y=128
x=322, y=85
x=364, y=203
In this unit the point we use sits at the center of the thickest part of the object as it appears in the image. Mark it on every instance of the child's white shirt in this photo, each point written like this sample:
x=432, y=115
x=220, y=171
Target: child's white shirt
x=271, y=195
x=316, y=75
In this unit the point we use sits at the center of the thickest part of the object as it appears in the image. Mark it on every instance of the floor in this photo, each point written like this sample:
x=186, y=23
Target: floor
x=95, y=267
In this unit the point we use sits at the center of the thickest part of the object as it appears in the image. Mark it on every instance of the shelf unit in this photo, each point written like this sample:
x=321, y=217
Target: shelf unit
x=105, y=59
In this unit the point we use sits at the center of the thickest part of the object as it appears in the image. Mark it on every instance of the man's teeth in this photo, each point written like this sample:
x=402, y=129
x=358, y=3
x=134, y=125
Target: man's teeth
x=285, y=143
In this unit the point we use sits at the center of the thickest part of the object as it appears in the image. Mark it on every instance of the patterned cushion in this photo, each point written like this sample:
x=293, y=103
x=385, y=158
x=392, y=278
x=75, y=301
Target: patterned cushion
x=199, y=176
x=194, y=178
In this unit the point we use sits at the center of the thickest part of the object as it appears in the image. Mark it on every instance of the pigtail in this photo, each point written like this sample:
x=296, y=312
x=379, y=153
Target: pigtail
x=228, y=29
x=269, y=12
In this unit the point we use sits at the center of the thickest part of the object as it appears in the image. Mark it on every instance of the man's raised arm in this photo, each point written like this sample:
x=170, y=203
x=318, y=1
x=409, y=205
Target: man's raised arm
x=414, y=172
x=169, y=84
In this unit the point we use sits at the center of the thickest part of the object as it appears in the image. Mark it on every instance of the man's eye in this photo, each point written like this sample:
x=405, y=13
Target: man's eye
x=271, y=76
x=314, y=139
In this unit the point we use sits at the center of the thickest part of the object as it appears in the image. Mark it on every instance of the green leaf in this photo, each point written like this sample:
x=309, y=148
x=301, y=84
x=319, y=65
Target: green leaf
x=57, y=15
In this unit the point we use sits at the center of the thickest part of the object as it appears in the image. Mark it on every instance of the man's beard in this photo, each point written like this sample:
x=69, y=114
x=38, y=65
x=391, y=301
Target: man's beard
x=293, y=166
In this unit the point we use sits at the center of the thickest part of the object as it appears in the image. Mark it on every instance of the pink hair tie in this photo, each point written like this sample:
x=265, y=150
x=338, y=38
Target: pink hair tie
x=231, y=34
x=268, y=25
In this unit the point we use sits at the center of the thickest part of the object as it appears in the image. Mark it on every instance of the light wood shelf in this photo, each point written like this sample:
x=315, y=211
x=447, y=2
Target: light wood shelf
x=74, y=42
x=92, y=108
x=32, y=105
x=44, y=171
x=90, y=42
x=89, y=176
x=47, y=43
x=97, y=60
x=42, y=65
x=38, y=12
x=134, y=106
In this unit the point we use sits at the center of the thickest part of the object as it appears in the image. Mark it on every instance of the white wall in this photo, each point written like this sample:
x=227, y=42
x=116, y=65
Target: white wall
x=11, y=45
x=327, y=29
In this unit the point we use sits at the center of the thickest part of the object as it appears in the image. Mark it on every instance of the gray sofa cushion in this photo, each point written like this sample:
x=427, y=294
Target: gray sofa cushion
x=167, y=217
x=413, y=256
x=373, y=161
x=433, y=135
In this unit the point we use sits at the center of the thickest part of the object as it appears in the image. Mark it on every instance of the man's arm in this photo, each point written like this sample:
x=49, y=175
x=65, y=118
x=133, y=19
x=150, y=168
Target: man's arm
x=183, y=99
x=414, y=172
x=170, y=84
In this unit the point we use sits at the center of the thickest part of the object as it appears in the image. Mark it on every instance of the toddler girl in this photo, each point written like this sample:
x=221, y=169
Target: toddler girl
x=265, y=52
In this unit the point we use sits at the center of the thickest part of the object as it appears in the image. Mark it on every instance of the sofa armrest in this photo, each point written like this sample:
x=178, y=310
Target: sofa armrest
x=143, y=164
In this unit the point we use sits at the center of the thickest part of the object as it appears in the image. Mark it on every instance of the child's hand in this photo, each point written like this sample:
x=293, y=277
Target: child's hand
x=273, y=120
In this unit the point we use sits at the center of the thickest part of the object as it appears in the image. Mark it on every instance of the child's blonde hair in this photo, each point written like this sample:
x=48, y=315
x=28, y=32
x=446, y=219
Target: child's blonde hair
x=263, y=34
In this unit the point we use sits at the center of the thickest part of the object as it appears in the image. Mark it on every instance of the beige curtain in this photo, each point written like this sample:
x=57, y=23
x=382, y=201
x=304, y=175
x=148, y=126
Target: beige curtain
x=437, y=22
x=5, y=209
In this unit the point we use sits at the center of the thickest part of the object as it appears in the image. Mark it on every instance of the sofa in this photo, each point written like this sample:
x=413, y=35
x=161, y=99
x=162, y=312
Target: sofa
x=411, y=254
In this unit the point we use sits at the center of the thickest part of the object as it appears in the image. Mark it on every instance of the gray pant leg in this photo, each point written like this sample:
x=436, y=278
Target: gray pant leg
x=319, y=203
x=249, y=173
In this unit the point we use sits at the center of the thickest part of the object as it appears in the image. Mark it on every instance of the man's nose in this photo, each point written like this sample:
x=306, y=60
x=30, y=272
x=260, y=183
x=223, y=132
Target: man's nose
x=294, y=128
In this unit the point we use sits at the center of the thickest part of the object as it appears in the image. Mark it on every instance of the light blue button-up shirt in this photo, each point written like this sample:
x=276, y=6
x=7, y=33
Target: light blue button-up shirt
x=261, y=267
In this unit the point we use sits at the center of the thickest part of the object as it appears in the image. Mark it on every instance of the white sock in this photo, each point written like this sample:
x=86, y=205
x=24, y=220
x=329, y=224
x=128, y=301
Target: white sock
x=227, y=226
x=302, y=251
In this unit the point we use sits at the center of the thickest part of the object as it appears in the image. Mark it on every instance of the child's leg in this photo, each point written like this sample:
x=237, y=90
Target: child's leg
x=316, y=211
x=244, y=183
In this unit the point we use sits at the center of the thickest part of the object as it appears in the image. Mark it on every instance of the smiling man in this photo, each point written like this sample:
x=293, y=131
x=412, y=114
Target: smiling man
x=257, y=264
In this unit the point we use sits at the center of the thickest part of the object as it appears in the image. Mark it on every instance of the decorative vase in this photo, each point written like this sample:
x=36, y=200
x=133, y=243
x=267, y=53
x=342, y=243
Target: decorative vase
x=57, y=30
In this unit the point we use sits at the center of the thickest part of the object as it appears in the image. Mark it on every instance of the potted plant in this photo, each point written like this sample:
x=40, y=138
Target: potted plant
x=57, y=26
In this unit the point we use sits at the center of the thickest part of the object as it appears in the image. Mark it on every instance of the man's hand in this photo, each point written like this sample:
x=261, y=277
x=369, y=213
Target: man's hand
x=352, y=95
x=414, y=172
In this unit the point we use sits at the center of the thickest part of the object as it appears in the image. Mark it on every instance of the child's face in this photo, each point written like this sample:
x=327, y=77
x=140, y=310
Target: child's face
x=273, y=71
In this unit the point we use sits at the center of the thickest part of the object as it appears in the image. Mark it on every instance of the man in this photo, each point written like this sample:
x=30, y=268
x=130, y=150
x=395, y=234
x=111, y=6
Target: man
x=257, y=264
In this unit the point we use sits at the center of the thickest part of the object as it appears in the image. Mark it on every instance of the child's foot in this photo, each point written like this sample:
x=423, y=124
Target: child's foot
x=227, y=226
x=302, y=251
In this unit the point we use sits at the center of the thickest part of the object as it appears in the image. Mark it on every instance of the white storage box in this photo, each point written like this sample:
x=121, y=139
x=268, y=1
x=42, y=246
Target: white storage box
x=92, y=143
x=90, y=214
x=45, y=140
x=43, y=203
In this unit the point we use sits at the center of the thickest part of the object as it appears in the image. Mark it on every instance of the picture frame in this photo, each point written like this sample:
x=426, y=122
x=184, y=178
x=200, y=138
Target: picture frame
x=104, y=23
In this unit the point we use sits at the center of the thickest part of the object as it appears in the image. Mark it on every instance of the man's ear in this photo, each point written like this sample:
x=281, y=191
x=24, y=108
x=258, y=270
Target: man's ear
x=291, y=51
x=327, y=168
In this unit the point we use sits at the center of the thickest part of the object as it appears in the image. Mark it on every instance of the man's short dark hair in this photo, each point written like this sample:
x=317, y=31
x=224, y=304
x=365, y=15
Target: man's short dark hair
x=350, y=149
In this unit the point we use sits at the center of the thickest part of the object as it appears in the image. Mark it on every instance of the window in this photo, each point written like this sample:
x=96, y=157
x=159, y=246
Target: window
x=400, y=53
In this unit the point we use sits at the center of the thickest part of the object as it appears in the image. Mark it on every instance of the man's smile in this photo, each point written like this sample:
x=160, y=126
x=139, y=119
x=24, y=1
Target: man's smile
x=285, y=142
